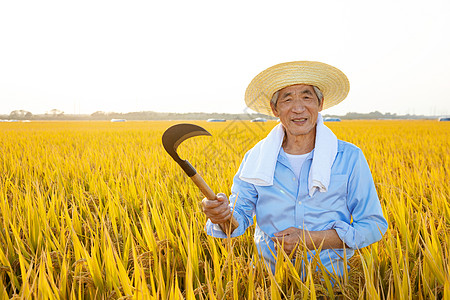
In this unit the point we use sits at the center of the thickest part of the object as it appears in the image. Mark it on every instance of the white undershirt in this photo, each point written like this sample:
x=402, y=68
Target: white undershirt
x=296, y=161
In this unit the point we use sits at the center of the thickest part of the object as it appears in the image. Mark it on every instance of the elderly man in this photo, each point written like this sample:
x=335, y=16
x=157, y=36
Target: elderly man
x=305, y=187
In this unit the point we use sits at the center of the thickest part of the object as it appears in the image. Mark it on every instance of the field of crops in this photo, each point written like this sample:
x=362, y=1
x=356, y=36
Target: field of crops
x=99, y=210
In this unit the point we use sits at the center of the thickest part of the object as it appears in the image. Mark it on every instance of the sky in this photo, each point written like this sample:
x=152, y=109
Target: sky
x=199, y=56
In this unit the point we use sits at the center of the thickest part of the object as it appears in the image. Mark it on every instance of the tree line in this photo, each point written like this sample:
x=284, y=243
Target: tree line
x=56, y=114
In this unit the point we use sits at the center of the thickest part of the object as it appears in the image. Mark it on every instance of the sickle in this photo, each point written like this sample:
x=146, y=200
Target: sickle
x=171, y=139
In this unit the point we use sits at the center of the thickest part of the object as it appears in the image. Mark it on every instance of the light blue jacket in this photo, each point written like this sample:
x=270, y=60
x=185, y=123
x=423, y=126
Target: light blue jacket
x=350, y=206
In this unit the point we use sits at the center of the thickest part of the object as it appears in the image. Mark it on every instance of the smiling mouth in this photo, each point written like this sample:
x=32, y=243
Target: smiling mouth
x=299, y=120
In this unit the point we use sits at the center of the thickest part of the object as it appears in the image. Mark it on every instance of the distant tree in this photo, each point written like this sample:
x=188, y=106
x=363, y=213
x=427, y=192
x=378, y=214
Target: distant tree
x=98, y=114
x=20, y=114
x=56, y=112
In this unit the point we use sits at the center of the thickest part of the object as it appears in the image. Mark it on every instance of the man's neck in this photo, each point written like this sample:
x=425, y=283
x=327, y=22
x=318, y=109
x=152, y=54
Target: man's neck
x=300, y=144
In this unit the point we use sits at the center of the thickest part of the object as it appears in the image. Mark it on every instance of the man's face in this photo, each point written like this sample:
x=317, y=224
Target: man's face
x=298, y=108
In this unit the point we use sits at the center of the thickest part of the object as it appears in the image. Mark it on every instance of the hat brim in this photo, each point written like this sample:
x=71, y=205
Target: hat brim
x=331, y=81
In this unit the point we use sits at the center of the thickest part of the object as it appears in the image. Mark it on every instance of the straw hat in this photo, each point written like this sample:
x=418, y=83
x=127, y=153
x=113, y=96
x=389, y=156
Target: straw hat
x=331, y=81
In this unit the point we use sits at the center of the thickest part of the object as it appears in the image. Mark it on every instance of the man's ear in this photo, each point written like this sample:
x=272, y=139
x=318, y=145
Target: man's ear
x=321, y=104
x=274, y=109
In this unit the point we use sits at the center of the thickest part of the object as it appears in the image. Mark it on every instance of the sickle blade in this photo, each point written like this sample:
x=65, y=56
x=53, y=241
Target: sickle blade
x=178, y=133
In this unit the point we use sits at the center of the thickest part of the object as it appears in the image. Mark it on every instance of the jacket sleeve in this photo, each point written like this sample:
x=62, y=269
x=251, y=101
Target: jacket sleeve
x=242, y=202
x=369, y=224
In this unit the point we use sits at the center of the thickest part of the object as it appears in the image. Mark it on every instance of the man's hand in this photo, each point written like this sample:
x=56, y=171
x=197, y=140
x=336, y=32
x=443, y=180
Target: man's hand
x=218, y=210
x=293, y=237
x=289, y=239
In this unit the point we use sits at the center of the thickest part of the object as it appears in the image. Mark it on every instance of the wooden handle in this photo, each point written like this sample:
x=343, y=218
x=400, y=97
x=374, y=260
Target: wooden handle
x=229, y=226
x=206, y=190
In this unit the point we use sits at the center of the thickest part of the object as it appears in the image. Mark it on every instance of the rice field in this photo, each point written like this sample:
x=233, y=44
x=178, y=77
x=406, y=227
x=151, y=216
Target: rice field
x=98, y=210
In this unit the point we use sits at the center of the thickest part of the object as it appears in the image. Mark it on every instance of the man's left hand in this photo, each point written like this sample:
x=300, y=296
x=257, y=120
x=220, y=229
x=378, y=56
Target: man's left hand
x=289, y=239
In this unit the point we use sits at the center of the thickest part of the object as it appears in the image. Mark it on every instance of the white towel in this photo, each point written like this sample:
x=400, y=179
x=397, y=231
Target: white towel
x=259, y=167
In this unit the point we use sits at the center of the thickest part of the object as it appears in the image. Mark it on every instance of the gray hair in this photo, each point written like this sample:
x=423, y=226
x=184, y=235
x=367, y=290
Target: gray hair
x=319, y=95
